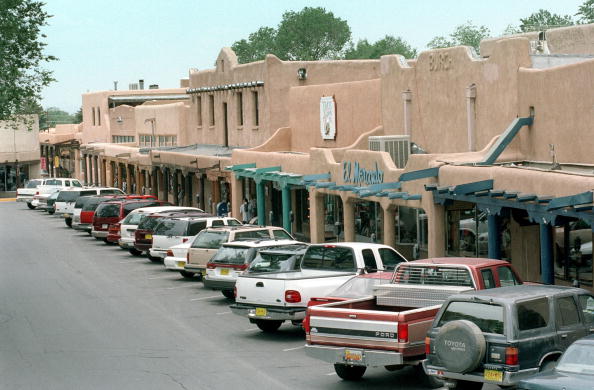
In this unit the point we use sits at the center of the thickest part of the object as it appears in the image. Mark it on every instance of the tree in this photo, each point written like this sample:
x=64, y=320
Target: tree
x=54, y=116
x=464, y=35
x=386, y=45
x=308, y=35
x=78, y=117
x=22, y=53
x=543, y=19
x=586, y=12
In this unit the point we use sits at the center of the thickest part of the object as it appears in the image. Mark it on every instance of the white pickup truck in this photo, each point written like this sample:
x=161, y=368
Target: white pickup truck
x=269, y=299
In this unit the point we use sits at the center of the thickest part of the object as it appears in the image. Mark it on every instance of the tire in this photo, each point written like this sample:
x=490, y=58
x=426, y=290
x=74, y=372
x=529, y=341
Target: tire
x=68, y=222
x=468, y=385
x=268, y=326
x=155, y=259
x=188, y=275
x=349, y=373
x=134, y=252
x=547, y=365
x=51, y=211
x=229, y=294
x=460, y=346
x=29, y=205
x=105, y=241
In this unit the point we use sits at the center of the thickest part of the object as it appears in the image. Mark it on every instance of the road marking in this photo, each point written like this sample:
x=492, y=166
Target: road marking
x=176, y=287
x=293, y=349
x=223, y=313
x=202, y=298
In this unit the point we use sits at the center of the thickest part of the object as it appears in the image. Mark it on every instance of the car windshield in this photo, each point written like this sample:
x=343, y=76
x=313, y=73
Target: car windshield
x=329, y=257
x=80, y=202
x=108, y=210
x=171, y=227
x=33, y=184
x=231, y=255
x=134, y=219
x=579, y=359
x=209, y=239
x=357, y=287
x=488, y=317
x=68, y=196
x=150, y=222
x=233, y=222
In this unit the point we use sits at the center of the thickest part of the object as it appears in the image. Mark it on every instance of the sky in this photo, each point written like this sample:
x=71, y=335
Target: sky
x=99, y=42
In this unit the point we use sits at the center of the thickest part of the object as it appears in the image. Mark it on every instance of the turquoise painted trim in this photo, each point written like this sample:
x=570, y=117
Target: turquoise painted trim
x=510, y=194
x=420, y=174
x=317, y=176
x=572, y=200
x=544, y=199
x=505, y=139
x=286, y=199
x=395, y=185
x=583, y=208
x=242, y=166
x=430, y=187
x=397, y=195
x=482, y=193
x=526, y=197
x=325, y=184
x=261, y=204
x=268, y=169
x=412, y=197
x=469, y=188
x=496, y=193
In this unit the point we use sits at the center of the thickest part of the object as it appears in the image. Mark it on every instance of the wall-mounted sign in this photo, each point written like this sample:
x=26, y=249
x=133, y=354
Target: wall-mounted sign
x=328, y=117
x=56, y=161
x=43, y=163
x=354, y=173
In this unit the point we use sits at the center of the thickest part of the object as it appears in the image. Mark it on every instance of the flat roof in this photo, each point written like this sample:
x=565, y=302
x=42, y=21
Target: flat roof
x=196, y=149
x=144, y=98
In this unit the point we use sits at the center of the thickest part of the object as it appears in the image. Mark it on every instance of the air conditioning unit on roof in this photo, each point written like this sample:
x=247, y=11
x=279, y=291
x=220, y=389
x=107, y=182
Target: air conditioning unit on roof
x=398, y=146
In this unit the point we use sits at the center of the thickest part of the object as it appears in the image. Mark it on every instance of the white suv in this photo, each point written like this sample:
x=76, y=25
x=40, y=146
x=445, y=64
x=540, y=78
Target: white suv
x=66, y=201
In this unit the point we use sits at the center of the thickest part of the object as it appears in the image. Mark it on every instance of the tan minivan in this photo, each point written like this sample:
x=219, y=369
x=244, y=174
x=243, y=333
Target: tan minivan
x=209, y=240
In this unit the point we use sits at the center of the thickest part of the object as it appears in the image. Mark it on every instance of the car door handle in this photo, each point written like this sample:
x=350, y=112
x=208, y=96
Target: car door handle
x=259, y=284
x=564, y=336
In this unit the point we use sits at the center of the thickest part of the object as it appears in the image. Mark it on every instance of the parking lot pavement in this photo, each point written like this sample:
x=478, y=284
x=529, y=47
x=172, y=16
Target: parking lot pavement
x=76, y=313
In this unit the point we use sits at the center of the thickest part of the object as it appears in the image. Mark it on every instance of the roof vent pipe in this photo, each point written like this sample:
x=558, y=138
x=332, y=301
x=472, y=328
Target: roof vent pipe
x=141, y=84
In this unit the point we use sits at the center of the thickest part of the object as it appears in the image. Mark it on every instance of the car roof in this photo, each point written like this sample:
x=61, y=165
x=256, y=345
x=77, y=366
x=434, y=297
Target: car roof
x=362, y=245
x=207, y=217
x=158, y=209
x=471, y=261
x=259, y=243
x=238, y=227
x=288, y=249
x=518, y=293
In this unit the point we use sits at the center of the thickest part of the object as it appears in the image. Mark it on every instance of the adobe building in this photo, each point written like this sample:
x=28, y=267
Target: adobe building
x=19, y=153
x=60, y=151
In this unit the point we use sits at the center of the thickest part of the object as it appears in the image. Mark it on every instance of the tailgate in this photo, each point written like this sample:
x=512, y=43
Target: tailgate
x=166, y=242
x=267, y=291
x=127, y=231
x=201, y=256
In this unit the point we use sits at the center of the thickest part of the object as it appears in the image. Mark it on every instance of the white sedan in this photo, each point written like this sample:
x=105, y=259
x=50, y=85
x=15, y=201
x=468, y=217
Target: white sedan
x=177, y=258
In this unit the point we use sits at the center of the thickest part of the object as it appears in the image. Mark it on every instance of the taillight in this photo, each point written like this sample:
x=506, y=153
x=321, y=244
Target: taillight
x=511, y=356
x=235, y=292
x=170, y=253
x=305, y=324
x=241, y=267
x=37, y=193
x=292, y=296
x=184, y=240
x=427, y=345
x=210, y=265
x=188, y=258
x=402, y=332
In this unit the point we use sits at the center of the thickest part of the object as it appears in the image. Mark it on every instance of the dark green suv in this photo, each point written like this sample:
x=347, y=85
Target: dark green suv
x=504, y=335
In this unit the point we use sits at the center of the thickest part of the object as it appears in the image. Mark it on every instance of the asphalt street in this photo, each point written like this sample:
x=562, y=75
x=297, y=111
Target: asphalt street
x=76, y=313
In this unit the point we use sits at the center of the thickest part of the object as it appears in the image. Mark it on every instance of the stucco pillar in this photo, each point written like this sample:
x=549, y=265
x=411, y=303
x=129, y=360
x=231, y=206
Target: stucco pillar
x=407, y=101
x=316, y=217
x=91, y=170
x=160, y=185
x=389, y=211
x=96, y=166
x=471, y=116
x=120, y=176
x=85, y=161
x=77, y=172
x=436, y=229
x=547, y=275
x=236, y=196
x=494, y=237
x=286, y=199
x=349, y=219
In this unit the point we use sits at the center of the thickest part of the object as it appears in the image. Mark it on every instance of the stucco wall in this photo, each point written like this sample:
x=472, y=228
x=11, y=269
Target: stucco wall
x=18, y=141
x=170, y=119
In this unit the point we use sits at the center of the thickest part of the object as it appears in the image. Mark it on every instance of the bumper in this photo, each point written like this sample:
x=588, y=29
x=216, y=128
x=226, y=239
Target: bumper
x=126, y=243
x=158, y=253
x=27, y=199
x=370, y=357
x=219, y=284
x=272, y=312
x=99, y=233
x=142, y=247
x=509, y=378
x=113, y=238
x=35, y=202
x=195, y=268
x=85, y=227
x=175, y=263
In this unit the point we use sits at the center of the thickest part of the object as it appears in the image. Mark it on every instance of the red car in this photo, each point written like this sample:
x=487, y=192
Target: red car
x=88, y=211
x=112, y=212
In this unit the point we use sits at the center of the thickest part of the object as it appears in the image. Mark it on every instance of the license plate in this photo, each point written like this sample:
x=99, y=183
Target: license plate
x=224, y=271
x=353, y=356
x=181, y=264
x=261, y=312
x=148, y=236
x=104, y=226
x=494, y=375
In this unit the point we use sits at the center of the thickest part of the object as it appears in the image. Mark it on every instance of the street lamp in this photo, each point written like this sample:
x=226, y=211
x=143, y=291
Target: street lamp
x=152, y=120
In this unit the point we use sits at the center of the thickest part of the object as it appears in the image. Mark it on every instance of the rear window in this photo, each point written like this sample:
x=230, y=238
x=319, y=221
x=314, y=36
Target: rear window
x=489, y=318
x=210, y=239
x=390, y=258
x=196, y=227
x=149, y=223
x=171, y=227
x=281, y=235
x=80, y=202
x=533, y=314
x=92, y=203
x=108, y=210
x=329, y=258
x=111, y=191
x=33, y=184
x=233, y=222
x=262, y=234
x=275, y=262
x=75, y=183
x=415, y=274
x=136, y=205
x=67, y=196
x=133, y=219
x=232, y=255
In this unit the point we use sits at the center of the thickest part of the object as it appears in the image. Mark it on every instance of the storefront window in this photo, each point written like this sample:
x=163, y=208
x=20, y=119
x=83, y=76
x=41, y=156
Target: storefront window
x=333, y=218
x=8, y=177
x=412, y=231
x=467, y=232
x=573, y=252
x=368, y=221
x=301, y=214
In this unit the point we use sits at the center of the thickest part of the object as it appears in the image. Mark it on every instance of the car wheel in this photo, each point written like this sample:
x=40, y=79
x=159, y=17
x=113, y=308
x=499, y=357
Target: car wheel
x=547, y=365
x=68, y=222
x=155, y=259
x=460, y=345
x=268, y=326
x=187, y=275
x=349, y=373
x=51, y=212
x=468, y=385
x=105, y=241
x=29, y=205
x=229, y=294
x=134, y=252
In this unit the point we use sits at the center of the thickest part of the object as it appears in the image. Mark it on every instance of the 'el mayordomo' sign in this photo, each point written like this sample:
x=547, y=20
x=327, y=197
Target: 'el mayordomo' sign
x=353, y=172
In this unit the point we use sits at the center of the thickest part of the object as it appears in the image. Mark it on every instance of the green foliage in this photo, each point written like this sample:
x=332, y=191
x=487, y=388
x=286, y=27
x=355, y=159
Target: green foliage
x=78, y=117
x=543, y=20
x=308, y=35
x=511, y=29
x=466, y=34
x=586, y=12
x=386, y=45
x=22, y=52
x=54, y=116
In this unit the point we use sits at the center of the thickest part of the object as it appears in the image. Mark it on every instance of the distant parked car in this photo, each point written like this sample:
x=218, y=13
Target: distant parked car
x=574, y=371
x=26, y=193
x=66, y=200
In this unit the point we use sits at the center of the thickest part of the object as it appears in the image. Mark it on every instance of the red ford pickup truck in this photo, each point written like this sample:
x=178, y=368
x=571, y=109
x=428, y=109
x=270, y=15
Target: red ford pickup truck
x=388, y=329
